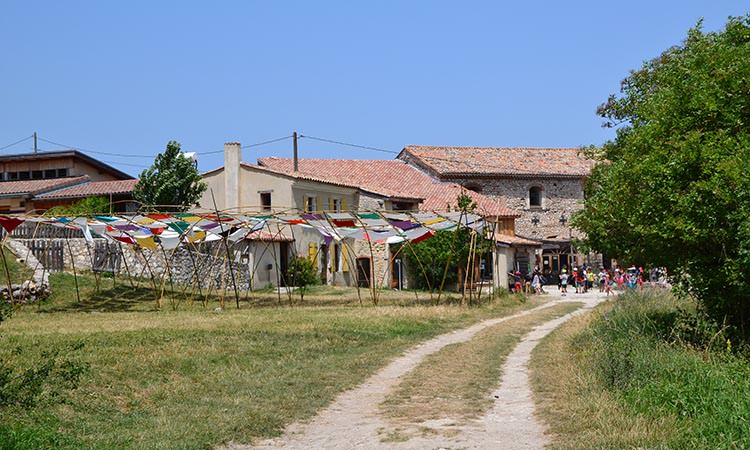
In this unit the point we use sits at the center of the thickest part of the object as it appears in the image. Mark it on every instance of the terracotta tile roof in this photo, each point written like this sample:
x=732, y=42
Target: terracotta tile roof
x=489, y=161
x=92, y=188
x=516, y=240
x=266, y=236
x=38, y=186
x=389, y=178
x=301, y=175
x=287, y=173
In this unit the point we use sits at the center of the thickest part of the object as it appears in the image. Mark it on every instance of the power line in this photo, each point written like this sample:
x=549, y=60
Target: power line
x=267, y=142
x=126, y=164
x=96, y=152
x=45, y=150
x=17, y=142
x=271, y=141
x=73, y=147
x=331, y=141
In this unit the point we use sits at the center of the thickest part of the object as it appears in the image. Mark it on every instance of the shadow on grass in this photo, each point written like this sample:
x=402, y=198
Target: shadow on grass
x=119, y=298
x=119, y=295
x=113, y=295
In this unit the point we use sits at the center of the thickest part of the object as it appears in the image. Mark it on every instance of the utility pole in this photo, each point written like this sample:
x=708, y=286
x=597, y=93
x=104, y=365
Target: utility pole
x=36, y=149
x=296, y=157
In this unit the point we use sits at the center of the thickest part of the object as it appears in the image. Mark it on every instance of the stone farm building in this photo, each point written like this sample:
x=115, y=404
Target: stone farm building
x=544, y=186
x=319, y=185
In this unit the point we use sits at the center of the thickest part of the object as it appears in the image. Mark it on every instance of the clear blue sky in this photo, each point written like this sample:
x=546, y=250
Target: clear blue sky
x=126, y=77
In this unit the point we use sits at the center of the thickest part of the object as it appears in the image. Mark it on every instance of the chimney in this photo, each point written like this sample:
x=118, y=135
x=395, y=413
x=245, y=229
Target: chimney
x=232, y=156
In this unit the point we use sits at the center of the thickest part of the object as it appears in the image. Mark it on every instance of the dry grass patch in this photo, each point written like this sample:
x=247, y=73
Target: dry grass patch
x=452, y=386
x=581, y=414
x=192, y=379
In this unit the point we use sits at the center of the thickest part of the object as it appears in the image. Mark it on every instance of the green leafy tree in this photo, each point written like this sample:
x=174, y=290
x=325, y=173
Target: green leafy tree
x=171, y=183
x=674, y=185
x=84, y=207
x=446, y=248
x=302, y=274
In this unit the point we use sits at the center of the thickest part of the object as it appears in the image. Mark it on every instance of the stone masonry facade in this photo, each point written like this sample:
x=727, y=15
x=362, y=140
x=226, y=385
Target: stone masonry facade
x=559, y=196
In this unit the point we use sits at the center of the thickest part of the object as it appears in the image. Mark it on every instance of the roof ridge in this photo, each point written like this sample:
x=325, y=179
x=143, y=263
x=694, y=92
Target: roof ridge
x=492, y=148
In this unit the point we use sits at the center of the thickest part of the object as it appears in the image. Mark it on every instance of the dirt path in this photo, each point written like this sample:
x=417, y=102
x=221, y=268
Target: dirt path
x=352, y=420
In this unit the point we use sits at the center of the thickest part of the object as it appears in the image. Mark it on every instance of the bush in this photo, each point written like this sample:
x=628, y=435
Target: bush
x=663, y=357
x=87, y=206
x=302, y=274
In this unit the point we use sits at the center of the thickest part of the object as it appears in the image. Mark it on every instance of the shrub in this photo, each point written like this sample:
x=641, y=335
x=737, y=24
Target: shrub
x=302, y=274
x=663, y=357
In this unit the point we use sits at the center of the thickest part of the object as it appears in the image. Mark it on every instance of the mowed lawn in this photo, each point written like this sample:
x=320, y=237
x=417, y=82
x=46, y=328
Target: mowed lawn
x=194, y=378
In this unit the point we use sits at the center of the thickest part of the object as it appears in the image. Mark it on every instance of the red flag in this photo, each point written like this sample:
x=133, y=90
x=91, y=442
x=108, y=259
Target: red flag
x=10, y=223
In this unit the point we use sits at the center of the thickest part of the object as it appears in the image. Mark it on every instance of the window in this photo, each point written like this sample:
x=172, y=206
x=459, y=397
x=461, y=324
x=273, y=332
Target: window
x=473, y=187
x=336, y=205
x=61, y=173
x=37, y=174
x=24, y=175
x=265, y=201
x=311, y=204
x=11, y=176
x=535, y=197
x=402, y=206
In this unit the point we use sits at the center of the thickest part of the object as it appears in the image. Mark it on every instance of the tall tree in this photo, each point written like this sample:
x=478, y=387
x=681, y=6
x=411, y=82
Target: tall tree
x=171, y=183
x=674, y=185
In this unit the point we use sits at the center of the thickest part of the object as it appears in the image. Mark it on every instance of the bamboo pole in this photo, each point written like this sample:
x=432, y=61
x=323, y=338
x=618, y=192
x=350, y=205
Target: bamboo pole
x=226, y=247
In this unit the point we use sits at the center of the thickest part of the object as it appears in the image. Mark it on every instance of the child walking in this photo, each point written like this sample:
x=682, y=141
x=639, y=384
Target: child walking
x=564, y=282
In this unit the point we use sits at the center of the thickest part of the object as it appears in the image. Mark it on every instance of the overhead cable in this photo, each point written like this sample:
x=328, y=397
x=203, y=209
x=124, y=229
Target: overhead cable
x=331, y=141
x=17, y=142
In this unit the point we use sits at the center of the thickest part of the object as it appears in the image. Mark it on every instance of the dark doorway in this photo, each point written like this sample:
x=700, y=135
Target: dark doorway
x=397, y=273
x=323, y=264
x=363, y=272
x=283, y=262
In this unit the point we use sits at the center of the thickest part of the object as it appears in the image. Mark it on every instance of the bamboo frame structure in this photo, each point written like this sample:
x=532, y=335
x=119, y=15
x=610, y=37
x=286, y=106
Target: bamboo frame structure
x=157, y=263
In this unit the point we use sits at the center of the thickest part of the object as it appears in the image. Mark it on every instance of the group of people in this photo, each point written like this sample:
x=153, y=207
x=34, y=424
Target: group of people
x=533, y=282
x=585, y=278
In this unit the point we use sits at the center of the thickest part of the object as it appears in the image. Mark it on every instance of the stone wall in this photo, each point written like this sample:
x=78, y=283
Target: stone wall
x=379, y=256
x=205, y=265
x=370, y=202
x=559, y=196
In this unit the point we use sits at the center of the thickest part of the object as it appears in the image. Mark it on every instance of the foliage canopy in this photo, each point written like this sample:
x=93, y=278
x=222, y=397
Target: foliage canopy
x=86, y=206
x=674, y=188
x=443, y=256
x=302, y=274
x=171, y=183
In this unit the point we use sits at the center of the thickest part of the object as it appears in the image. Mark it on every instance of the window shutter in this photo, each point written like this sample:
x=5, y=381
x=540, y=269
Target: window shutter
x=312, y=253
x=344, y=257
x=343, y=204
x=330, y=203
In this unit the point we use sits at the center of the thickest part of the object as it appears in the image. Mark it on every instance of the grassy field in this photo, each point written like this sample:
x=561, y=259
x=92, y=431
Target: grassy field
x=642, y=372
x=454, y=384
x=194, y=377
